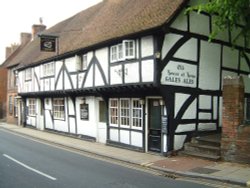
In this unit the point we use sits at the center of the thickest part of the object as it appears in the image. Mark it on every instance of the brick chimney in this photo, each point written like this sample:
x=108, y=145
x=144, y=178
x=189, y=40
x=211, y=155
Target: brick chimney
x=25, y=38
x=10, y=49
x=36, y=29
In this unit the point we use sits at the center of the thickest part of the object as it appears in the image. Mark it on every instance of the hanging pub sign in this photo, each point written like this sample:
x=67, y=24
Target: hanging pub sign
x=47, y=43
x=84, y=111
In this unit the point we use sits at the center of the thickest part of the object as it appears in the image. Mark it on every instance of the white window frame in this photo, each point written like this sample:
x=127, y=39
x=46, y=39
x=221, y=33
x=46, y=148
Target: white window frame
x=113, y=112
x=137, y=114
x=28, y=73
x=58, y=106
x=120, y=51
x=31, y=107
x=129, y=49
x=124, y=115
x=48, y=69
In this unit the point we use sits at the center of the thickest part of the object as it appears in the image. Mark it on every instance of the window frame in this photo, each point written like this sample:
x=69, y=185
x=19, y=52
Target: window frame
x=139, y=118
x=58, y=108
x=28, y=74
x=48, y=69
x=31, y=107
x=10, y=105
x=119, y=52
x=124, y=112
x=113, y=112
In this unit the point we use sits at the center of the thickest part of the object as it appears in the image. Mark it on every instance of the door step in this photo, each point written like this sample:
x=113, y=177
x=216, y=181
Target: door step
x=206, y=147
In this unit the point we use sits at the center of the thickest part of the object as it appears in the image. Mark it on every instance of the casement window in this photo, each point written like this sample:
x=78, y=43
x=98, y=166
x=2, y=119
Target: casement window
x=10, y=105
x=123, y=51
x=48, y=69
x=31, y=107
x=137, y=113
x=113, y=111
x=58, y=108
x=124, y=112
x=28, y=74
x=127, y=113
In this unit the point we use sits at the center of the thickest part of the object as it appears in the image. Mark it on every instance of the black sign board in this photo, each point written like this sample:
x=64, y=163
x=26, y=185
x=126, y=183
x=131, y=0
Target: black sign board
x=84, y=111
x=48, y=44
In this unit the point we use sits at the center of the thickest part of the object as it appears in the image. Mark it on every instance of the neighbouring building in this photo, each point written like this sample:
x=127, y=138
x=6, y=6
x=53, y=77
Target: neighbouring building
x=137, y=74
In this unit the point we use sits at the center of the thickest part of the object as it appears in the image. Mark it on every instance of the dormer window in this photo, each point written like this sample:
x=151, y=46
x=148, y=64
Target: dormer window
x=123, y=51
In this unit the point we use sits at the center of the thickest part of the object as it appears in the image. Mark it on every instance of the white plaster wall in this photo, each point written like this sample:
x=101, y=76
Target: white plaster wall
x=204, y=115
x=191, y=111
x=59, y=85
x=147, y=70
x=124, y=137
x=179, y=74
x=188, y=50
x=87, y=127
x=74, y=81
x=179, y=100
x=116, y=75
x=80, y=79
x=70, y=64
x=209, y=73
x=205, y=102
x=180, y=22
x=199, y=23
x=31, y=120
x=67, y=83
x=215, y=109
x=206, y=126
x=71, y=107
x=89, y=80
x=147, y=46
x=169, y=42
x=137, y=139
x=114, y=135
x=185, y=127
x=131, y=72
x=58, y=66
x=230, y=58
x=37, y=72
x=102, y=56
x=72, y=125
x=98, y=77
x=179, y=141
x=243, y=64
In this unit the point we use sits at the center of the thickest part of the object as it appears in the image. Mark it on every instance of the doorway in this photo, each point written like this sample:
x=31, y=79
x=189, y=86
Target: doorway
x=154, y=125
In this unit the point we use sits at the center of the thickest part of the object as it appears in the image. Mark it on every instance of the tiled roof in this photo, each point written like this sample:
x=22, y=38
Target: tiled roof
x=105, y=21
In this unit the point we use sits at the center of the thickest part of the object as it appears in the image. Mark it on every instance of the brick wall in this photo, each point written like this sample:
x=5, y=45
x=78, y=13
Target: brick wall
x=3, y=92
x=235, y=141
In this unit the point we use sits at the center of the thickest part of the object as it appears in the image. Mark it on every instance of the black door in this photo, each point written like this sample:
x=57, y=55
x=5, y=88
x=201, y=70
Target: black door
x=154, y=125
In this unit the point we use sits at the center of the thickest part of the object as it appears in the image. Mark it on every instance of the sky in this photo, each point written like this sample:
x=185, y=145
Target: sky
x=17, y=16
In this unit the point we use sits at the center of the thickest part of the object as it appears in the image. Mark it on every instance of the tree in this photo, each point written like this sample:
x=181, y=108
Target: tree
x=228, y=14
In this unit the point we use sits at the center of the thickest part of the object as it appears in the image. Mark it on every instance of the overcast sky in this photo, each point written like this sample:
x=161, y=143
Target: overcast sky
x=18, y=16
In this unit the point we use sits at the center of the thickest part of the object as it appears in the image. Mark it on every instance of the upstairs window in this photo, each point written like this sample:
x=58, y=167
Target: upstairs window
x=48, y=69
x=28, y=74
x=81, y=62
x=123, y=51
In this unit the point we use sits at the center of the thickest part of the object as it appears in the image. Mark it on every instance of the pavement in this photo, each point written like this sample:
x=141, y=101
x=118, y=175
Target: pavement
x=227, y=172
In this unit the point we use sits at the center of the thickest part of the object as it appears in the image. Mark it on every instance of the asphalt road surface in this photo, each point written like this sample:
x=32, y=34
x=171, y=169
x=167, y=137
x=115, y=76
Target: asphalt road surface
x=25, y=163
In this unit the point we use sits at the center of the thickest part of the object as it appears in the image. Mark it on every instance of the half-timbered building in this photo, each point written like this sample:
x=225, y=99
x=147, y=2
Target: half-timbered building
x=137, y=74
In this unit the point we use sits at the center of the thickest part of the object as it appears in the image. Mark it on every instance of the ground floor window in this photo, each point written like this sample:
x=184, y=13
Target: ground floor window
x=31, y=107
x=15, y=107
x=126, y=112
x=58, y=108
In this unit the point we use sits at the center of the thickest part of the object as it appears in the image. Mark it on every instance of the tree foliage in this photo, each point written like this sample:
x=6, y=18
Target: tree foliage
x=227, y=14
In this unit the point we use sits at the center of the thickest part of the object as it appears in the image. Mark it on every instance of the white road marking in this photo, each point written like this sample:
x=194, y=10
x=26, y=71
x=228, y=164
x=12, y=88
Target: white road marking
x=29, y=168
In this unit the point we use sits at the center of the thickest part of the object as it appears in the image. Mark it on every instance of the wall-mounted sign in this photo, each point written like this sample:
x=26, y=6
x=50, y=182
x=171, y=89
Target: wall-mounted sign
x=179, y=74
x=84, y=111
x=48, y=44
x=164, y=124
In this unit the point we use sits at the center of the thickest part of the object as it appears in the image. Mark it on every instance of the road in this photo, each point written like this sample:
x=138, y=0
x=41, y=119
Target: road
x=30, y=164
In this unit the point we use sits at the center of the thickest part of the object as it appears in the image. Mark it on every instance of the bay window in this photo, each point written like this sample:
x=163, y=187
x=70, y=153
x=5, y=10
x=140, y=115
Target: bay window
x=123, y=51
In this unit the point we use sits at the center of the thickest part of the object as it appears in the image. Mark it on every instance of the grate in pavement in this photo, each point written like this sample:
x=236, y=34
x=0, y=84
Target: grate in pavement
x=202, y=170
